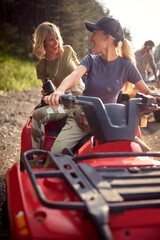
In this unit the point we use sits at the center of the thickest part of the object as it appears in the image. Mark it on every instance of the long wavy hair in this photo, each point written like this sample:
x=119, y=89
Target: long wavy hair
x=44, y=31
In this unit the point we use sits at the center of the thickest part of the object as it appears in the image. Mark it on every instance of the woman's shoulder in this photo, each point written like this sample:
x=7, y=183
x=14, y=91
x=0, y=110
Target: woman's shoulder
x=69, y=51
x=125, y=61
x=128, y=65
x=90, y=60
x=93, y=57
x=68, y=48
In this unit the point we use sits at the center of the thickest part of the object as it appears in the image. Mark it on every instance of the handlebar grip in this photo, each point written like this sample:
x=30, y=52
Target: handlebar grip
x=157, y=95
x=68, y=100
x=147, y=99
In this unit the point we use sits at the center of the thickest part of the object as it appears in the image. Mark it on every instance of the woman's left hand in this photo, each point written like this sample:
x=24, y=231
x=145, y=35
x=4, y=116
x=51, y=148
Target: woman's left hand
x=155, y=94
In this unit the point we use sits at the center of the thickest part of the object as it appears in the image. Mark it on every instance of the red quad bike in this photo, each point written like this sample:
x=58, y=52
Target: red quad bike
x=108, y=189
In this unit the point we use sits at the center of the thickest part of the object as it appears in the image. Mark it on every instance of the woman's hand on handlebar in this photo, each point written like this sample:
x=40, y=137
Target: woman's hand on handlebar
x=156, y=95
x=53, y=99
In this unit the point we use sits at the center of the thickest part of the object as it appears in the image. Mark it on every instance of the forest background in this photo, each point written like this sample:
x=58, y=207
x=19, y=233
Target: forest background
x=18, y=20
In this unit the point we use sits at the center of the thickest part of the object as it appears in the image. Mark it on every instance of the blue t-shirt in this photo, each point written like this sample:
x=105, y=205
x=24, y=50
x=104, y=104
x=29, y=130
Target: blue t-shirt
x=107, y=78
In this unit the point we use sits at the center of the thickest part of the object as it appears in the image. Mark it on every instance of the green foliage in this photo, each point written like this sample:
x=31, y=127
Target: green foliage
x=17, y=74
x=19, y=18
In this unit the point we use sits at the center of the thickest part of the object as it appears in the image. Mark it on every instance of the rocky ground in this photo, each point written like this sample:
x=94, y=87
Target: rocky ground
x=15, y=108
x=151, y=134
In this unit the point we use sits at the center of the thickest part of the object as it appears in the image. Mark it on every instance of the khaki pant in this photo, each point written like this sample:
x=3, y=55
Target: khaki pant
x=40, y=117
x=67, y=138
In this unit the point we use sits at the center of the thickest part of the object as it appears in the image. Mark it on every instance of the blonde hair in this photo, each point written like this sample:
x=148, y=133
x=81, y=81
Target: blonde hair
x=126, y=52
x=124, y=49
x=42, y=32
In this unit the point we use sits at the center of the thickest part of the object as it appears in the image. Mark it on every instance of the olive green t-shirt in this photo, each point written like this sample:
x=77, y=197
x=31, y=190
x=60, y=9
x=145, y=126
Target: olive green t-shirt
x=62, y=67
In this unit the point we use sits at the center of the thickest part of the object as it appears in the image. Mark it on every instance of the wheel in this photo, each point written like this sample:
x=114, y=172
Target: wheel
x=5, y=219
x=157, y=116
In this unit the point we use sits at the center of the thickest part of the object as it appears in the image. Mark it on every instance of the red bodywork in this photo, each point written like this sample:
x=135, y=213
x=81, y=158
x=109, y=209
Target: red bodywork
x=26, y=143
x=40, y=222
x=45, y=223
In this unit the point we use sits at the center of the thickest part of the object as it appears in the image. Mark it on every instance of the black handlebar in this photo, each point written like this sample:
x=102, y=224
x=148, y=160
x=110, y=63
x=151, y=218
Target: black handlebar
x=147, y=103
x=113, y=122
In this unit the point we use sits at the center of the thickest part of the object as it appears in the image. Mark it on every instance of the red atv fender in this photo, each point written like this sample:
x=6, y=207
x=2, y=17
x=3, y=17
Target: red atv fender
x=81, y=202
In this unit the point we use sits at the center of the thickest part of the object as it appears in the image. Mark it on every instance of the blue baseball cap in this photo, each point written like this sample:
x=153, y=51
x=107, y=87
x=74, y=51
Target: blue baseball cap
x=108, y=25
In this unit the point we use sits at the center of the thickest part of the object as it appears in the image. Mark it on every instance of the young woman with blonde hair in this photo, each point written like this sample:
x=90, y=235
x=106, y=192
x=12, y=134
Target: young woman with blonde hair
x=56, y=62
x=108, y=72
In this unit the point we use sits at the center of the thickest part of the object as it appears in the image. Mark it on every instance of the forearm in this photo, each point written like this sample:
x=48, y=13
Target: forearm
x=69, y=82
x=72, y=80
x=142, y=87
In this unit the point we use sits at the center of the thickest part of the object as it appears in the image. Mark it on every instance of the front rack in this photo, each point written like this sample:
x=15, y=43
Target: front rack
x=102, y=191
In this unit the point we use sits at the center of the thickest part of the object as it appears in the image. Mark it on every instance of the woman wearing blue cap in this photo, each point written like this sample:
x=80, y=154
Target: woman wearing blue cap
x=109, y=71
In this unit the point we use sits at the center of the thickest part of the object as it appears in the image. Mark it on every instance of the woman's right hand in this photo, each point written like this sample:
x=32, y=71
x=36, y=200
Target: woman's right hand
x=53, y=99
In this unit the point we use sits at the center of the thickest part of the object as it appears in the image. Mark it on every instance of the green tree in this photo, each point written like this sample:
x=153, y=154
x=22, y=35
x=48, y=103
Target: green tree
x=19, y=18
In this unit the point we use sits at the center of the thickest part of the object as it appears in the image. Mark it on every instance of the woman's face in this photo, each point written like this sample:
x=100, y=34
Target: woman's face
x=98, y=40
x=52, y=45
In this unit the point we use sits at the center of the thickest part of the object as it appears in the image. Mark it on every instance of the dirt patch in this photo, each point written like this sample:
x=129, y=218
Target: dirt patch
x=15, y=108
x=151, y=134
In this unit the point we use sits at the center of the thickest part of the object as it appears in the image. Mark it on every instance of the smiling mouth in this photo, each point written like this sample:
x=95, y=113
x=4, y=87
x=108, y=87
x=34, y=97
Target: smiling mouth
x=55, y=48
